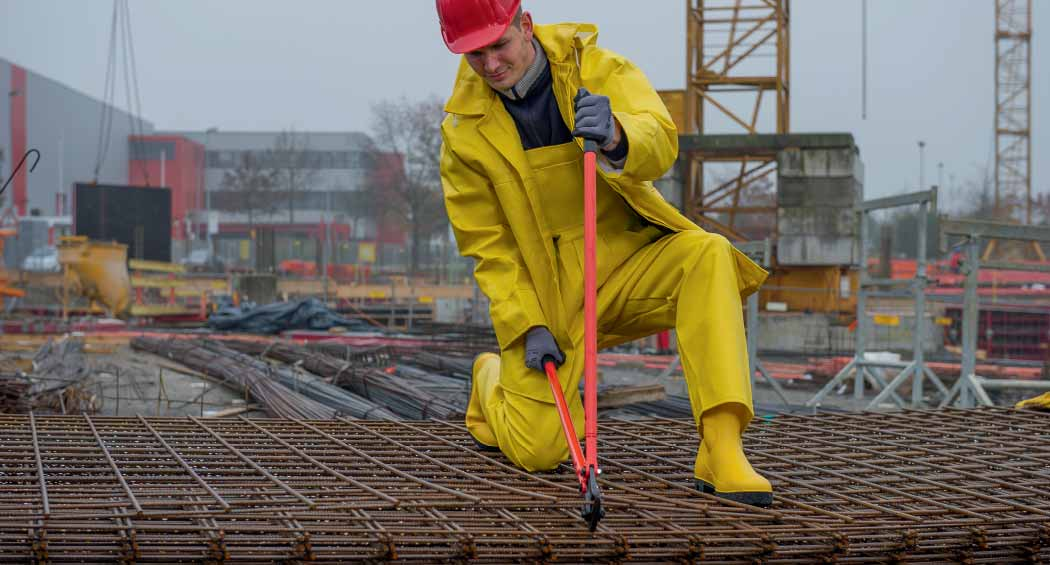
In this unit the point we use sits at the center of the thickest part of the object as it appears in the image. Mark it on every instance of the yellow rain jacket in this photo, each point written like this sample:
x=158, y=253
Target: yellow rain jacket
x=494, y=212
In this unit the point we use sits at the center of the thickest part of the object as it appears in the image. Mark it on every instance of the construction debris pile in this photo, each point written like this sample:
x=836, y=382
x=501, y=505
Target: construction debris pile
x=53, y=385
x=916, y=487
x=13, y=389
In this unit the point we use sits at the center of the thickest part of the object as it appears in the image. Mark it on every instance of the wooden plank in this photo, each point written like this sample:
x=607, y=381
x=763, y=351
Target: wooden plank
x=620, y=396
x=231, y=411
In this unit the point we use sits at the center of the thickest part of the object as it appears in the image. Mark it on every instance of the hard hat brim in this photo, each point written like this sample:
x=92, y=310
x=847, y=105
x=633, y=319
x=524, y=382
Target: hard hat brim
x=475, y=40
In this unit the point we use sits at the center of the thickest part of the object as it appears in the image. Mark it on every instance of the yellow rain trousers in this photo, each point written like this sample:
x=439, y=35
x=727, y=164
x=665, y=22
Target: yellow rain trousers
x=647, y=282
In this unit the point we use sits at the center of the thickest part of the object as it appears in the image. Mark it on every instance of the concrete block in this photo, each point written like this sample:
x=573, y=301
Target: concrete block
x=826, y=162
x=819, y=221
x=798, y=249
x=843, y=192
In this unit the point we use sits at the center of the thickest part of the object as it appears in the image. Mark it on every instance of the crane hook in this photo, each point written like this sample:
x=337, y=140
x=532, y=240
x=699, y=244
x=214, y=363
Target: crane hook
x=19, y=166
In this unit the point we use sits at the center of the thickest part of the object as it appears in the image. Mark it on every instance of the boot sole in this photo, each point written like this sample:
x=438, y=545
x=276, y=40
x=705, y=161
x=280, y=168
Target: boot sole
x=760, y=499
x=486, y=447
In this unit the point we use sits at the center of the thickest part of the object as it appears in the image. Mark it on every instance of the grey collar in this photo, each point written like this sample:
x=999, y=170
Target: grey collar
x=539, y=64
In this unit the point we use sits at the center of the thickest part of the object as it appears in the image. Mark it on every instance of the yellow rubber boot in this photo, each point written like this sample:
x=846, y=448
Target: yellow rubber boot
x=721, y=466
x=485, y=378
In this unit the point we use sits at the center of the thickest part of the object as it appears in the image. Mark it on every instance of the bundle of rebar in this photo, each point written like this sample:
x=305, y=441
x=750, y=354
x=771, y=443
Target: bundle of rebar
x=381, y=356
x=238, y=371
x=400, y=396
x=322, y=364
x=305, y=383
x=449, y=365
x=911, y=487
x=343, y=402
x=397, y=394
x=452, y=389
x=474, y=338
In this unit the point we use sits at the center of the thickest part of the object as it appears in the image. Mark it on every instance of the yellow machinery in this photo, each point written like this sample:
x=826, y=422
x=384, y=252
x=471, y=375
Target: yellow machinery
x=96, y=270
x=7, y=291
x=812, y=289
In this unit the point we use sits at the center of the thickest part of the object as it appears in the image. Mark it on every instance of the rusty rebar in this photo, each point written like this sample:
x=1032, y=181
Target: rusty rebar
x=915, y=487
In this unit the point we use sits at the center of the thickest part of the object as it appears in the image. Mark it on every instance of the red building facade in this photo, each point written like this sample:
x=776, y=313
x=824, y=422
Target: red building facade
x=176, y=163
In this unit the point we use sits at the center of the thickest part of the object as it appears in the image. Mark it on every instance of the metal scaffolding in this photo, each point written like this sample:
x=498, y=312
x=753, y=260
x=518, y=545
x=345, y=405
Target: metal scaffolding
x=970, y=387
x=861, y=367
x=1013, y=108
x=762, y=253
x=916, y=487
x=736, y=52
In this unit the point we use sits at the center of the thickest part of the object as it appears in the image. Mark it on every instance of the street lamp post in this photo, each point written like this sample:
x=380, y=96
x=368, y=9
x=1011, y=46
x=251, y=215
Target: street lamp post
x=207, y=194
x=922, y=165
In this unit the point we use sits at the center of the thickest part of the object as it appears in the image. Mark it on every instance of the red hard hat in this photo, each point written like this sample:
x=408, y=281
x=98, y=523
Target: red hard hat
x=467, y=25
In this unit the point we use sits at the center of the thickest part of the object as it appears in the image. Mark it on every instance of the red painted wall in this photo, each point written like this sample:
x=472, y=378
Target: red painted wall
x=182, y=174
x=18, y=136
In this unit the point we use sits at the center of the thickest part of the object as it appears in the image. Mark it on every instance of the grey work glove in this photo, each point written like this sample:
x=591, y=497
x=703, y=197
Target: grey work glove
x=539, y=344
x=594, y=118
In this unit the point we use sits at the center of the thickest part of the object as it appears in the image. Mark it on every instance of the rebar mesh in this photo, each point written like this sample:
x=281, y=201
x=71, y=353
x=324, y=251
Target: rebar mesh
x=925, y=487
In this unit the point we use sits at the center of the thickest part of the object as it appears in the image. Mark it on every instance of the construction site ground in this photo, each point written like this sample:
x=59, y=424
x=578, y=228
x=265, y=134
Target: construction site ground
x=132, y=382
x=176, y=446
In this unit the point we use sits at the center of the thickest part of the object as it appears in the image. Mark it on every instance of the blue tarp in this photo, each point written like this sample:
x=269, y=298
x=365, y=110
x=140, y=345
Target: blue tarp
x=308, y=314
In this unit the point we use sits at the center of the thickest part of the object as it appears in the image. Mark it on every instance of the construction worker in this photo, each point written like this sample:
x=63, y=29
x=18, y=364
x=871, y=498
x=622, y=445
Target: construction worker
x=511, y=168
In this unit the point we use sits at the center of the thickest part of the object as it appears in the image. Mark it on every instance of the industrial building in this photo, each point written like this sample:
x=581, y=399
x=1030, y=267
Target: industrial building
x=329, y=193
x=43, y=114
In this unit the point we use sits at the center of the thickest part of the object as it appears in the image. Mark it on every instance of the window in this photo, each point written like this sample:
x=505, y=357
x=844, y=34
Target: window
x=151, y=150
x=223, y=159
x=267, y=158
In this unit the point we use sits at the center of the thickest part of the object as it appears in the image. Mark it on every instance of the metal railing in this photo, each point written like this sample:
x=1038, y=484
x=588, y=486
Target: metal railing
x=861, y=368
x=971, y=388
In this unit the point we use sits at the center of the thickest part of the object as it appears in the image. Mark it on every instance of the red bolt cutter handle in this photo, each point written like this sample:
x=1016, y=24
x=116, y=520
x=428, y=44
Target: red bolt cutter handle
x=590, y=301
x=592, y=509
x=566, y=423
x=586, y=468
x=586, y=473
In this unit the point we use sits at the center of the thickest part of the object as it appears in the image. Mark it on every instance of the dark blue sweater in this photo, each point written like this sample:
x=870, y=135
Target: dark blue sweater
x=539, y=121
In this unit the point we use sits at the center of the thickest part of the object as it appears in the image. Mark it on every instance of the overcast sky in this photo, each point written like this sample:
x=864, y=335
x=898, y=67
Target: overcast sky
x=318, y=65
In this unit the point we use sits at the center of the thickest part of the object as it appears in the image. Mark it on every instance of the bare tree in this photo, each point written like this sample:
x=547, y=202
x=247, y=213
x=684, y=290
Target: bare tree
x=1041, y=209
x=976, y=198
x=249, y=188
x=406, y=162
x=294, y=172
